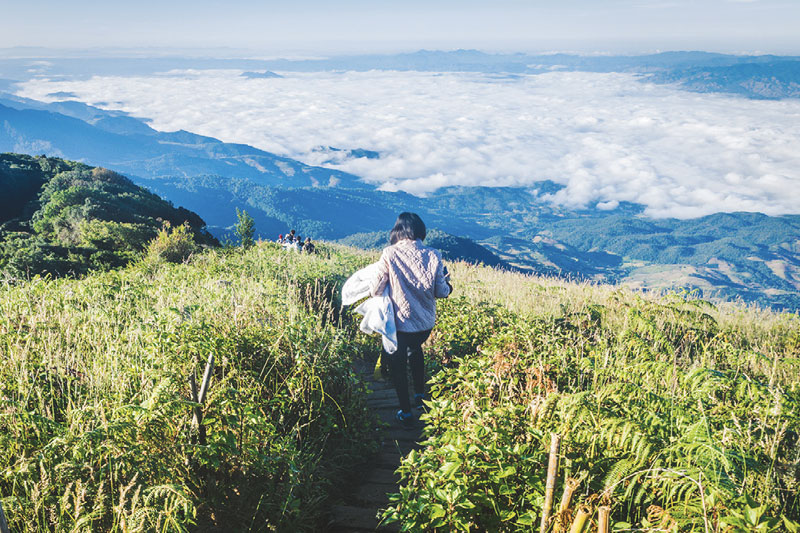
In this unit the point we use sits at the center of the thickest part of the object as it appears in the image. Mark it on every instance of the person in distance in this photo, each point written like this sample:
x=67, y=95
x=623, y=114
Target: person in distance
x=416, y=276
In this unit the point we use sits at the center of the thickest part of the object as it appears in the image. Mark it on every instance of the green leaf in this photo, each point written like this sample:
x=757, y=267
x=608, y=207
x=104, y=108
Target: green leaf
x=527, y=519
x=791, y=525
x=437, y=511
x=449, y=468
x=507, y=471
x=752, y=514
x=466, y=504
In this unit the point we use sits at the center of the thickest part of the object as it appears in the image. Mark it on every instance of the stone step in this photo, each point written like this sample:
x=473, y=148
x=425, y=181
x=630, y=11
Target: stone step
x=375, y=493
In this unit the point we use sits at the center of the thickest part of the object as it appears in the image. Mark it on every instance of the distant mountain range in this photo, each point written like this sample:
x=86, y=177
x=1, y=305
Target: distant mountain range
x=768, y=80
x=261, y=75
x=84, y=133
x=453, y=248
x=764, y=76
x=736, y=255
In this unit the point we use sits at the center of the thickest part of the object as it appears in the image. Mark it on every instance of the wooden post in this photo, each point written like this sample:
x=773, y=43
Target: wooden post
x=3, y=523
x=200, y=398
x=552, y=470
x=602, y=520
x=197, y=417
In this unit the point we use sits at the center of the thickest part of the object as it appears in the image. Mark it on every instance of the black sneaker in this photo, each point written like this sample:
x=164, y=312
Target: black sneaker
x=406, y=420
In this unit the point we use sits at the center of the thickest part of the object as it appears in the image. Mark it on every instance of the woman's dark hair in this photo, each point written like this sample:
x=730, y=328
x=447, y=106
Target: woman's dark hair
x=408, y=226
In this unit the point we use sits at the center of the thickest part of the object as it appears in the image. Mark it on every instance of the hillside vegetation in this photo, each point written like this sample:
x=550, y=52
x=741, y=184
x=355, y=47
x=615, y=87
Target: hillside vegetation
x=96, y=429
x=62, y=217
x=672, y=414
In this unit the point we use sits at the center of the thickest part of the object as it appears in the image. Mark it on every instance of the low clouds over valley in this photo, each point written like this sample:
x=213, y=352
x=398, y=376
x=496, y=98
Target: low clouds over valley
x=607, y=137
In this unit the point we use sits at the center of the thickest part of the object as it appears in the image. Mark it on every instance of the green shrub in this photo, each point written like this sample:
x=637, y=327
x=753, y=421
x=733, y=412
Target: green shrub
x=95, y=417
x=173, y=245
x=667, y=416
x=462, y=326
x=70, y=218
x=245, y=228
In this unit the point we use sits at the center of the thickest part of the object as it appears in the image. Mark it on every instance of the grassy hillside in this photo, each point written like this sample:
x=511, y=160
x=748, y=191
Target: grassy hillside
x=96, y=426
x=62, y=217
x=673, y=414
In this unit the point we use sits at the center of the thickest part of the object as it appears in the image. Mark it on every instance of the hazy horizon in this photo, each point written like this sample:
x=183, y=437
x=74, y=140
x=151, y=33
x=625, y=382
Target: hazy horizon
x=358, y=26
x=38, y=52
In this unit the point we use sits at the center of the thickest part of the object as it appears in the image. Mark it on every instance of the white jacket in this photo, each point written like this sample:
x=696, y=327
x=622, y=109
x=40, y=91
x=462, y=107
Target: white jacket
x=377, y=310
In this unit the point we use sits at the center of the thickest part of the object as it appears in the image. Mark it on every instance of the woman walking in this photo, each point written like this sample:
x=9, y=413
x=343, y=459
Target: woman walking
x=416, y=276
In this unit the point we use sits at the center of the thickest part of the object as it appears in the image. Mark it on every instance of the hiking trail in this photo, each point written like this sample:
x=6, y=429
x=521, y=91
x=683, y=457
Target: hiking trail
x=360, y=508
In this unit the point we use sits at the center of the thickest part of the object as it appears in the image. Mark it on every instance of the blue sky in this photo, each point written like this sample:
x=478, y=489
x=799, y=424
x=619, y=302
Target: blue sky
x=315, y=26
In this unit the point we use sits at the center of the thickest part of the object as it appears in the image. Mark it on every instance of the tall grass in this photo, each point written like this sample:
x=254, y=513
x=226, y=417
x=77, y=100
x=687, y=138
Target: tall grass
x=95, y=412
x=675, y=413
x=678, y=414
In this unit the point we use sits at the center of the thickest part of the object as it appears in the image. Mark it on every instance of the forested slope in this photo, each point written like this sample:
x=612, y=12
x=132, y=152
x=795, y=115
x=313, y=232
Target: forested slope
x=62, y=217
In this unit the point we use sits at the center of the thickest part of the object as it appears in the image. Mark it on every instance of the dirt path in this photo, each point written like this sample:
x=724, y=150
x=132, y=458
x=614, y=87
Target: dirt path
x=361, y=508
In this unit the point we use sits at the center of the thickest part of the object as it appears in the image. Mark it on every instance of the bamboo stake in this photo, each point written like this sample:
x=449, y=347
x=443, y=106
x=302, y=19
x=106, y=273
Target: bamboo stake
x=602, y=521
x=197, y=417
x=3, y=523
x=550, y=487
x=563, y=515
x=200, y=398
x=570, y=487
x=206, y=378
x=580, y=519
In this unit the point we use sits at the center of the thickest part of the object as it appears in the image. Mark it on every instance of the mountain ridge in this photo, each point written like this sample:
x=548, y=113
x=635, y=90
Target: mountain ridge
x=727, y=255
x=62, y=217
x=675, y=67
x=130, y=146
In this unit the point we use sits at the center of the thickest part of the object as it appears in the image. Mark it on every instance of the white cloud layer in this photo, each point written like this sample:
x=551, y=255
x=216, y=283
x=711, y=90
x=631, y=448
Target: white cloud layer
x=607, y=137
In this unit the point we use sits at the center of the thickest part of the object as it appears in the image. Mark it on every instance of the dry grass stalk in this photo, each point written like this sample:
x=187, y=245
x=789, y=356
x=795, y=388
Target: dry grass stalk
x=552, y=470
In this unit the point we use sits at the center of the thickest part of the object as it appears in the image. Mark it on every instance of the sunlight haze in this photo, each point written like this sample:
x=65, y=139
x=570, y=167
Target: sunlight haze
x=619, y=26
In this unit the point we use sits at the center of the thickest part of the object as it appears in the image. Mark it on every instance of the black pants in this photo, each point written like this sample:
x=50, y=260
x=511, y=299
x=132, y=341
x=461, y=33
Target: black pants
x=409, y=348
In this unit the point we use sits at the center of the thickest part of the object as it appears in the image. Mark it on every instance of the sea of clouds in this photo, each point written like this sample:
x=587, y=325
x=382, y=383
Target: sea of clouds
x=607, y=137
